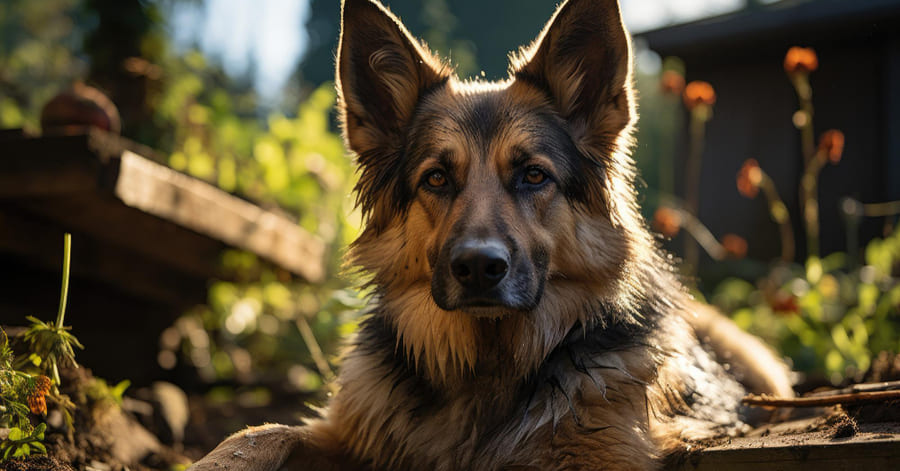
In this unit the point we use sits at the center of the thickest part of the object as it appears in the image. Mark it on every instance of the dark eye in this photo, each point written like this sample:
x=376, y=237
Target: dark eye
x=534, y=176
x=436, y=179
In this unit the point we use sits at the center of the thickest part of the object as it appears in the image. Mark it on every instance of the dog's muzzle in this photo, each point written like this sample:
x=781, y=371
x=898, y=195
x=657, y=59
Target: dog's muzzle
x=479, y=265
x=485, y=277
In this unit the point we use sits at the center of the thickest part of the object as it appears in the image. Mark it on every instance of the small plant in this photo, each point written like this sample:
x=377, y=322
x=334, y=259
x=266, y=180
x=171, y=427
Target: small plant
x=21, y=395
x=20, y=444
x=52, y=343
x=24, y=395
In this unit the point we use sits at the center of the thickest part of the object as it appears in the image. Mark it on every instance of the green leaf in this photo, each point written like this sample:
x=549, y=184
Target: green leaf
x=119, y=389
x=16, y=434
x=22, y=451
x=39, y=431
x=834, y=262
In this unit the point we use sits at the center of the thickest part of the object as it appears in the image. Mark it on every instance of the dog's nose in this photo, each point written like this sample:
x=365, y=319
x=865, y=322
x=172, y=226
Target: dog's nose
x=479, y=265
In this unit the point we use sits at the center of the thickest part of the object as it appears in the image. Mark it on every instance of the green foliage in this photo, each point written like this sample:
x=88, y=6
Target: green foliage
x=21, y=444
x=17, y=391
x=294, y=163
x=14, y=388
x=99, y=391
x=52, y=345
x=830, y=321
x=38, y=55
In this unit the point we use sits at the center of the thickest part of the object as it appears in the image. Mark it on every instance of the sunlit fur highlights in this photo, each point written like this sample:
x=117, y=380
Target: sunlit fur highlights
x=577, y=347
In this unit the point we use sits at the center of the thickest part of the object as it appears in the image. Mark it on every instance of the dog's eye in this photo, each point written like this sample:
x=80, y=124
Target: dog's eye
x=436, y=179
x=534, y=176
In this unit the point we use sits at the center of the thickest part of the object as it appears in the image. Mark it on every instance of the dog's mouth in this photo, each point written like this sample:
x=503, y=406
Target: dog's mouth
x=484, y=278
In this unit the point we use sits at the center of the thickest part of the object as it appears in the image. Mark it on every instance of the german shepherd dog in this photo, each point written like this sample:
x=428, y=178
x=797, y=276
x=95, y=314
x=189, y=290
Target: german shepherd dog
x=524, y=316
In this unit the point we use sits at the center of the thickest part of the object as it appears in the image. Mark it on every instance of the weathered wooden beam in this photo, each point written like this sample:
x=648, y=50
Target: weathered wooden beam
x=196, y=205
x=102, y=185
x=875, y=446
x=26, y=239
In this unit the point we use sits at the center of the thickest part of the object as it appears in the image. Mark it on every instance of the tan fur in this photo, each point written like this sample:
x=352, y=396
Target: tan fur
x=609, y=365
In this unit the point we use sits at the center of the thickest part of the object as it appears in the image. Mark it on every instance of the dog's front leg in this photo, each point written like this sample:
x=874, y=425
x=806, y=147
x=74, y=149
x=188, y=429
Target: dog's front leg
x=262, y=448
x=268, y=447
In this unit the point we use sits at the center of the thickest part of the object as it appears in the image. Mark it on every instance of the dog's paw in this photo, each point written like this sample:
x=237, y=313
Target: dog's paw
x=262, y=448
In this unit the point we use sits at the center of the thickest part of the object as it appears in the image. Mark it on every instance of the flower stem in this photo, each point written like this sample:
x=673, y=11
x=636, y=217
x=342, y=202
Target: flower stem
x=701, y=234
x=64, y=292
x=809, y=191
x=889, y=208
x=699, y=117
x=318, y=357
x=804, y=96
x=779, y=213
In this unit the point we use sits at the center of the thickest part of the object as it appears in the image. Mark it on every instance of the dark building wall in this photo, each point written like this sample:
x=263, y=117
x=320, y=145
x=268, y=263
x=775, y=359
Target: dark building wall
x=856, y=89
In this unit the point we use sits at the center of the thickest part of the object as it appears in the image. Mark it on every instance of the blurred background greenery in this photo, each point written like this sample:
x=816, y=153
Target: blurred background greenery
x=271, y=137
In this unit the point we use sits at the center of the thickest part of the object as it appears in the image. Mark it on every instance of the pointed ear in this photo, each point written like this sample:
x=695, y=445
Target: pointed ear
x=381, y=72
x=582, y=59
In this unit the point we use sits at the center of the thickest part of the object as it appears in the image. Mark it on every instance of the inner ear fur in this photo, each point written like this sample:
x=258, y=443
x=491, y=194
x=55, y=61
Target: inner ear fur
x=582, y=59
x=381, y=73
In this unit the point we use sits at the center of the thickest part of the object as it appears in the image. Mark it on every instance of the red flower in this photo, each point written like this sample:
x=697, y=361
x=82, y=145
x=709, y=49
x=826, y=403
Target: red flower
x=749, y=178
x=735, y=246
x=831, y=145
x=667, y=221
x=697, y=93
x=800, y=60
x=672, y=82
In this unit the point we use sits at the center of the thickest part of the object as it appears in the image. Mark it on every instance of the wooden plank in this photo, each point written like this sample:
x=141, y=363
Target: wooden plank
x=33, y=167
x=876, y=446
x=29, y=240
x=108, y=221
x=868, y=456
x=99, y=183
x=196, y=205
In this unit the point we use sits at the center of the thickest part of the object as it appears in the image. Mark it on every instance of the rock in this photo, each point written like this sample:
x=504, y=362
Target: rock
x=170, y=411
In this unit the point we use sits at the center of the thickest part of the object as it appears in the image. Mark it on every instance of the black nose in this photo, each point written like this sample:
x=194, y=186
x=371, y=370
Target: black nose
x=479, y=265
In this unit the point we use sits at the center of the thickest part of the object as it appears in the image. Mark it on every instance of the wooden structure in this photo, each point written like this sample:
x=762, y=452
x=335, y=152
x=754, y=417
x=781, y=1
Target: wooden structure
x=792, y=446
x=146, y=242
x=856, y=89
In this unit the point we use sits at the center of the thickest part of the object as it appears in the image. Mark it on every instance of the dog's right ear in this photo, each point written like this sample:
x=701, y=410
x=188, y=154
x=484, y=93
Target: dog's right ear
x=381, y=72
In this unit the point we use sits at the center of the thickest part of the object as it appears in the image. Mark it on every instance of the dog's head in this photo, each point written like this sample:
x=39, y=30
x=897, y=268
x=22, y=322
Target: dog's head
x=494, y=199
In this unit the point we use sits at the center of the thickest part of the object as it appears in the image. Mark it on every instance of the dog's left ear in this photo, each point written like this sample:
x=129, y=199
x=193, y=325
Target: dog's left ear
x=381, y=73
x=582, y=59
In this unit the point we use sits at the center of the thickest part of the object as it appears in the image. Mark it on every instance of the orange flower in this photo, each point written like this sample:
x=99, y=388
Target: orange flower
x=831, y=145
x=785, y=303
x=749, y=178
x=37, y=404
x=667, y=221
x=672, y=82
x=42, y=384
x=735, y=246
x=800, y=60
x=699, y=92
x=36, y=400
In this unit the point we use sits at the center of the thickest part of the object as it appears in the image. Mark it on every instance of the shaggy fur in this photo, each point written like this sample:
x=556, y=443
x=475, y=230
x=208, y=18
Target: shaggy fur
x=587, y=354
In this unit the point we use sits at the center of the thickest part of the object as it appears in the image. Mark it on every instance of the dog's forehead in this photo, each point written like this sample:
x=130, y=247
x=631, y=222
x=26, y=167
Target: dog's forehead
x=488, y=119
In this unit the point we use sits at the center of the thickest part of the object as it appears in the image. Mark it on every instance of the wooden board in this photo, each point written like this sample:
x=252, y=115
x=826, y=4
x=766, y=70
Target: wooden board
x=98, y=184
x=876, y=446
